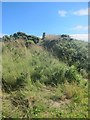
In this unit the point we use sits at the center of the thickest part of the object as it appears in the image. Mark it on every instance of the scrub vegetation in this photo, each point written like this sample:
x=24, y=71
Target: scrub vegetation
x=44, y=78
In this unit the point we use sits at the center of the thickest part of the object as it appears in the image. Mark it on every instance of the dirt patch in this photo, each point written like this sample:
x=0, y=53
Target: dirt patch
x=59, y=103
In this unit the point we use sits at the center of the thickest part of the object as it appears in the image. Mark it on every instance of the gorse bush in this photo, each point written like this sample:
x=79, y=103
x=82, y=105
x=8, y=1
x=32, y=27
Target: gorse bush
x=71, y=52
x=20, y=36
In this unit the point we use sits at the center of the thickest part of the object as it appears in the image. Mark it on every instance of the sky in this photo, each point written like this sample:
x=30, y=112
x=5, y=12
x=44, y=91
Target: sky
x=45, y=0
x=49, y=17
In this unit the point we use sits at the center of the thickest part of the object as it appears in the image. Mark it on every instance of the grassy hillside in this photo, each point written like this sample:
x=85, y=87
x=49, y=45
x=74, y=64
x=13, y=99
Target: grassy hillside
x=38, y=82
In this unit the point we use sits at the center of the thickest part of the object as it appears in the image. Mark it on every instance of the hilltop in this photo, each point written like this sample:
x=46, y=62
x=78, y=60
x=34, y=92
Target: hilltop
x=44, y=77
x=66, y=49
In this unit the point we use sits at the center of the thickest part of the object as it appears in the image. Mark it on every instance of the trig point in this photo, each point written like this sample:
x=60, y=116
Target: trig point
x=43, y=36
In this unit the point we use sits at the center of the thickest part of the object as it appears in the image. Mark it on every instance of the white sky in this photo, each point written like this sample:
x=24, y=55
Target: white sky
x=83, y=37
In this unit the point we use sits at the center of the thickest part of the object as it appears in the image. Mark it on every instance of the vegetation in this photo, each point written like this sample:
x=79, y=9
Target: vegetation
x=39, y=82
x=20, y=35
x=72, y=52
